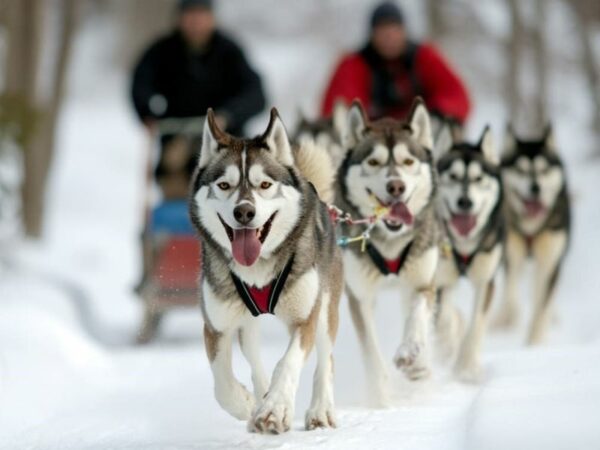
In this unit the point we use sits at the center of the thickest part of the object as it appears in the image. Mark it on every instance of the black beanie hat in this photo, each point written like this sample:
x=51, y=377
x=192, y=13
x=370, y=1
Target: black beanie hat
x=185, y=4
x=387, y=12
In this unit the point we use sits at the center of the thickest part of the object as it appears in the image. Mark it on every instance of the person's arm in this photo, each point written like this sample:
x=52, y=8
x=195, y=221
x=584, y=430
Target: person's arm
x=248, y=98
x=443, y=90
x=349, y=82
x=143, y=87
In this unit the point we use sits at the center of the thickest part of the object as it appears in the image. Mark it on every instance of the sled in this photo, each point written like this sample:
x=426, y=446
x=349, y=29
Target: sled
x=171, y=250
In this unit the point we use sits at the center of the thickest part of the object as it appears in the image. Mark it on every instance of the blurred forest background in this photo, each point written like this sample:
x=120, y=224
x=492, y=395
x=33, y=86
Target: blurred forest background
x=511, y=47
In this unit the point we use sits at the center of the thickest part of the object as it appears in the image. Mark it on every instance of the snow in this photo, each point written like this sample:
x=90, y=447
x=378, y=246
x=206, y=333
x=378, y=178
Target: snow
x=71, y=377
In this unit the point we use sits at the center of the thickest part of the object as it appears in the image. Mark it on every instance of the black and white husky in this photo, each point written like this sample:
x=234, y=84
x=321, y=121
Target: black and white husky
x=470, y=208
x=389, y=163
x=268, y=247
x=538, y=214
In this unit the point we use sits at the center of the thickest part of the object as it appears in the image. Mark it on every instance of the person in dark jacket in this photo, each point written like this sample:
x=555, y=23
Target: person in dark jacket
x=391, y=70
x=196, y=67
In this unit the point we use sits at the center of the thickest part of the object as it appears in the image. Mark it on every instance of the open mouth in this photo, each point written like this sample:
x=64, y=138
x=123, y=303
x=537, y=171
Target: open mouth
x=398, y=214
x=246, y=243
x=532, y=206
x=463, y=223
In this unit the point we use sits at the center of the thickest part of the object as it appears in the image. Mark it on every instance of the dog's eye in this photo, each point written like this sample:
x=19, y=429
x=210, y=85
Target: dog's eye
x=454, y=177
x=408, y=162
x=265, y=185
x=223, y=185
x=477, y=179
x=373, y=162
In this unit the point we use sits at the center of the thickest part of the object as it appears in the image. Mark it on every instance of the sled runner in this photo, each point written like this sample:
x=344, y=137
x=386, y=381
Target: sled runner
x=171, y=253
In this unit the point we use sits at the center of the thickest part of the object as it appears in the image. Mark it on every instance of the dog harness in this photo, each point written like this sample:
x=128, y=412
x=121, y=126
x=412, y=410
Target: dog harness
x=262, y=300
x=387, y=266
x=463, y=261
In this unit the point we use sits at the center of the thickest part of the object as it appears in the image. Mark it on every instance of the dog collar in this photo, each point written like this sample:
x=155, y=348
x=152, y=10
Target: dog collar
x=262, y=300
x=388, y=266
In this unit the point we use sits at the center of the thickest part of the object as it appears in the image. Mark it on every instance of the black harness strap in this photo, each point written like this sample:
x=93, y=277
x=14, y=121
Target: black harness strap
x=463, y=262
x=275, y=289
x=380, y=261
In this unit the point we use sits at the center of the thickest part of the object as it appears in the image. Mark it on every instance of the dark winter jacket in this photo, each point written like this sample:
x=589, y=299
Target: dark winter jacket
x=387, y=88
x=218, y=77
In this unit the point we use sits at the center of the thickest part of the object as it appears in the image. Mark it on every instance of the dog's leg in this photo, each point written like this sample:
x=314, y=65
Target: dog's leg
x=229, y=392
x=321, y=413
x=516, y=253
x=449, y=325
x=548, y=250
x=468, y=364
x=377, y=374
x=276, y=412
x=413, y=354
x=249, y=337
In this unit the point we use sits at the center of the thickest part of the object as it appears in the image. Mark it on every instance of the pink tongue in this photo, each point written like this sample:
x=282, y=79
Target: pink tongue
x=533, y=207
x=463, y=223
x=245, y=246
x=400, y=212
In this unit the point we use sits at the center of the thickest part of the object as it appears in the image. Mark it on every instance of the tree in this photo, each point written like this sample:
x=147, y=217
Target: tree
x=25, y=22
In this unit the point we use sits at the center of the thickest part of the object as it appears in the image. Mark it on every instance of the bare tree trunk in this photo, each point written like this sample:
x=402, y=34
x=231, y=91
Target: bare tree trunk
x=25, y=34
x=584, y=28
x=541, y=65
x=435, y=18
x=514, y=47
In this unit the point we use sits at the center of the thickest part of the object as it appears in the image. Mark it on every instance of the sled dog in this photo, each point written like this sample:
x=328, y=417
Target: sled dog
x=470, y=209
x=389, y=163
x=538, y=217
x=268, y=247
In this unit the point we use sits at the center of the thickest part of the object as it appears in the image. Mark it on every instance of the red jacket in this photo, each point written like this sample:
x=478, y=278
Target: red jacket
x=438, y=84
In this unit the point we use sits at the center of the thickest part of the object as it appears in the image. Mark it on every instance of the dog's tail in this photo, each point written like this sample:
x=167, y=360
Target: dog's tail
x=315, y=164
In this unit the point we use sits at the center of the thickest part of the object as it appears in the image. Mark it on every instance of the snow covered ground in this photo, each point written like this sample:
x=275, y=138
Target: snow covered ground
x=70, y=377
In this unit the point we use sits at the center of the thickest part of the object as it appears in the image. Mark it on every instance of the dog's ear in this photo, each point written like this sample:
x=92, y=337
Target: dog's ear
x=420, y=124
x=356, y=125
x=211, y=136
x=487, y=147
x=549, y=142
x=510, y=141
x=277, y=140
x=339, y=117
x=443, y=143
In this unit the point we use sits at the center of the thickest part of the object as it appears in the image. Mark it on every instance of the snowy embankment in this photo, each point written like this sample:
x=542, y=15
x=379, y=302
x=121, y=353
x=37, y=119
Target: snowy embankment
x=71, y=379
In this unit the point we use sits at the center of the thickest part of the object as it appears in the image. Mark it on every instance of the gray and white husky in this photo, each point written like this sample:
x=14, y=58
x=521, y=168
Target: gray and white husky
x=470, y=208
x=268, y=247
x=389, y=163
x=538, y=214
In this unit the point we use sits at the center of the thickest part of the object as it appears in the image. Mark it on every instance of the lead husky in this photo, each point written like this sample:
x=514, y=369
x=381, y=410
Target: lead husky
x=538, y=213
x=268, y=247
x=470, y=208
x=389, y=163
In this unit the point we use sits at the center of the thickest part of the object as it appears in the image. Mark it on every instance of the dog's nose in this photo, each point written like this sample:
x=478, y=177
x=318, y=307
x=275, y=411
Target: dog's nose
x=244, y=213
x=535, y=189
x=395, y=188
x=465, y=203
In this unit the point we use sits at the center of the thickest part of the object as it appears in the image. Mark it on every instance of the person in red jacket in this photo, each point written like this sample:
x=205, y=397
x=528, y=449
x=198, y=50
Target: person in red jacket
x=391, y=70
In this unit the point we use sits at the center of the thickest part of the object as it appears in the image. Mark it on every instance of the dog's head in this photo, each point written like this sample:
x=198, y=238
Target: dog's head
x=246, y=193
x=533, y=174
x=470, y=185
x=389, y=164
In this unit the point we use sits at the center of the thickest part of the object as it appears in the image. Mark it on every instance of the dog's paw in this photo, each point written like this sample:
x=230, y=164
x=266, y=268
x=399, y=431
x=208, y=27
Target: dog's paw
x=411, y=359
x=468, y=372
x=506, y=318
x=320, y=416
x=236, y=400
x=274, y=415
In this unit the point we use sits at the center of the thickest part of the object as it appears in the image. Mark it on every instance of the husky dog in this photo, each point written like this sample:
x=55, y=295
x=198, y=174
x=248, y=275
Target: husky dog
x=325, y=132
x=389, y=163
x=268, y=247
x=470, y=208
x=538, y=215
